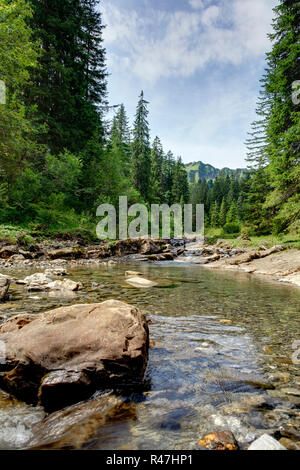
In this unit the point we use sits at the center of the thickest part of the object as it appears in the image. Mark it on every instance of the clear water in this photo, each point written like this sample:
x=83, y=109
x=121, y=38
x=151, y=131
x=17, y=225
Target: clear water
x=221, y=340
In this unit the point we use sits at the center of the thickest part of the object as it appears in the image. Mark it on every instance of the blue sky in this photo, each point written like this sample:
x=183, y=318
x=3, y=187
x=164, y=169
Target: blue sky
x=199, y=63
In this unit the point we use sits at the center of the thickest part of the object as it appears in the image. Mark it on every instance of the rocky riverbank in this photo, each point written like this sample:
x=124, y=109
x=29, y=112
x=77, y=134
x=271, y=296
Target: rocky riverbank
x=281, y=263
x=278, y=262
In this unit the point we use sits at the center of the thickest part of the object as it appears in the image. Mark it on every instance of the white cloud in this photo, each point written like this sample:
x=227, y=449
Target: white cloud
x=196, y=4
x=210, y=15
x=181, y=43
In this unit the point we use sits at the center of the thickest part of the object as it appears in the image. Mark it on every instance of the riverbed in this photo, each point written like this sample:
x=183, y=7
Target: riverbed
x=223, y=356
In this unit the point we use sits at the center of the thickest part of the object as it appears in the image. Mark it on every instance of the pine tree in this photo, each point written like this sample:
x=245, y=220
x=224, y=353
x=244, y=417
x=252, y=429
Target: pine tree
x=141, y=153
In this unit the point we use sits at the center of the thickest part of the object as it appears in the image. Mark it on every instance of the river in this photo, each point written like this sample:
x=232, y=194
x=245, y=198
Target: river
x=221, y=358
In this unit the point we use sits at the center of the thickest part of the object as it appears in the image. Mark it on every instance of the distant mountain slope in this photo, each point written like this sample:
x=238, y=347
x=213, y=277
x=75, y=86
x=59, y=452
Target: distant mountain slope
x=200, y=170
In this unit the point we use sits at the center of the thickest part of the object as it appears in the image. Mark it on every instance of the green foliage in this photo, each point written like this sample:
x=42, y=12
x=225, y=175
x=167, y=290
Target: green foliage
x=275, y=140
x=231, y=228
x=69, y=84
x=141, y=153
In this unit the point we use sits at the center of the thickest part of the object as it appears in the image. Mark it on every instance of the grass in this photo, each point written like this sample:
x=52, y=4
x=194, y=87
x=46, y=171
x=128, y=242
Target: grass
x=15, y=235
x=288, y=240
x=36, y=233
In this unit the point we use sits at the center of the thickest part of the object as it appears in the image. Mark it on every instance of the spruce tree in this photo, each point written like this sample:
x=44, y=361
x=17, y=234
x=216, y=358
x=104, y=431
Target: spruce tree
x=232, y=215
x=180, y=186
x=119, y=141
x=141, y=153
x=223, y=212
x=214, y=215
x=168, y=174
x=18, y=55
x=69, y=86
x=275, y=143
x=157, y=157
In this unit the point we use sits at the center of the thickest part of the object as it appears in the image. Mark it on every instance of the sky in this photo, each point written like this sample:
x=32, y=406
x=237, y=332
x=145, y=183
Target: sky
x=198, y=62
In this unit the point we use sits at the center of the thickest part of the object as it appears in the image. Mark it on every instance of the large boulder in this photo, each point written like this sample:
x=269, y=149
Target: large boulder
x=4, y=286
x=65, y=355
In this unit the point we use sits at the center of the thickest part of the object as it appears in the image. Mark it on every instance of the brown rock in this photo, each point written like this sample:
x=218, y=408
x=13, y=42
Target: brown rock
x=65, y=284
x=137, y=245
x=63, y=387
x=72, y=252
x=108, y=342
x=16, y=258
x=133, y=273
x=245, y=258
x=289, y=445
x=140, y=282
x=75, y=425
x=220, y=440
x=8, y=251
x=4, y=286
x=150, y=247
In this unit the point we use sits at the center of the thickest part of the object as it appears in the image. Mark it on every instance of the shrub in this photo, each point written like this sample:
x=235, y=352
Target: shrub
x=231, y=228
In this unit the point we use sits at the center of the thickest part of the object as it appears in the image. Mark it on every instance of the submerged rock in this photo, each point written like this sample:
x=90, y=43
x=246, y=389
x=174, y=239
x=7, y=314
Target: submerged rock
x=56, y=271
x=140, y=282
x=133, y=273
x=266, y=442
x=66, y=284
x=37, y=279
x=72, y=427
x=88, y=347
x=220, y=440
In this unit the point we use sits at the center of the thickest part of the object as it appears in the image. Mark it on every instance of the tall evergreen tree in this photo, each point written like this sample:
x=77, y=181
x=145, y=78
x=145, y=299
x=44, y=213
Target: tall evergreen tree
x=168, y=173
x=276, y=136
x=141, y=153
x=180, y=186
x=18, y=54
x=214, y=215
x=157, y=158
x=69, y=87
x=120, y=140
x=223, y=212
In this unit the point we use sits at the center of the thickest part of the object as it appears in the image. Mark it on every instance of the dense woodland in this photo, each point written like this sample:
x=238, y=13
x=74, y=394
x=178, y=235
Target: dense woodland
x=60, y=155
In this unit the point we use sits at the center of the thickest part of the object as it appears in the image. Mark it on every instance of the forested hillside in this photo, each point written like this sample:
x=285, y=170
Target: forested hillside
x=199, y=170
x=60, y=155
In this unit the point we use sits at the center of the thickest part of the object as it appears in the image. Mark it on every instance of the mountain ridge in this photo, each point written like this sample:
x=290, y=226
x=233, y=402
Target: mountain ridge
x=199, y=170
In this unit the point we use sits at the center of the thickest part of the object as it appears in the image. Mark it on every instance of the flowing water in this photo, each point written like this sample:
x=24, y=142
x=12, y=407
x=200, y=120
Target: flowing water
x=222, y=357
